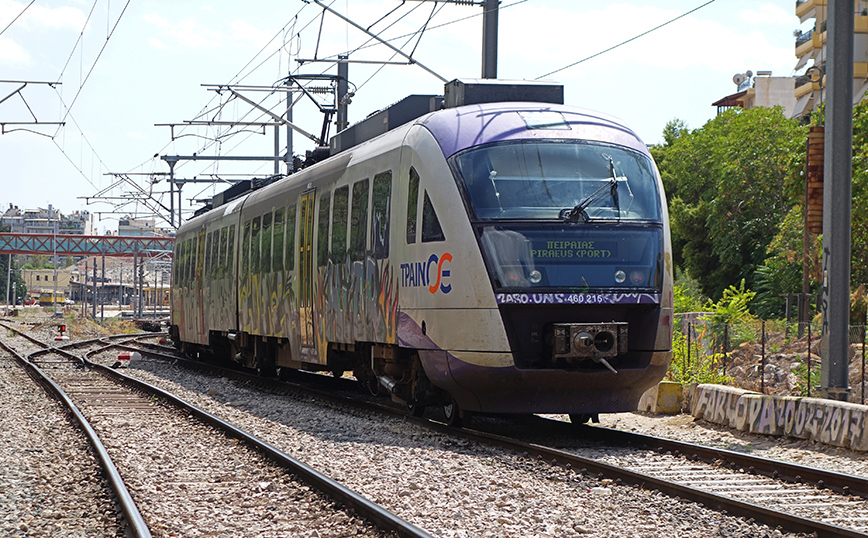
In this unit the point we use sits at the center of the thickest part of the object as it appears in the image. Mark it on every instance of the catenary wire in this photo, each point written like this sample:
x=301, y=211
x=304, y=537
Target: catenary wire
x=625, y=42
x=17, y=16
x=101, y=50
x=78, y=41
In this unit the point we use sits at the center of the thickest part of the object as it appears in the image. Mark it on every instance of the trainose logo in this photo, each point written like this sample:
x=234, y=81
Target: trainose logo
x=418, y=274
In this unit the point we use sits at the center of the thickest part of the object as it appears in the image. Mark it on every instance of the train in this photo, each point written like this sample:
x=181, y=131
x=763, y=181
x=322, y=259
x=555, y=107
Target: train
x=50, y=298
x=497, y=253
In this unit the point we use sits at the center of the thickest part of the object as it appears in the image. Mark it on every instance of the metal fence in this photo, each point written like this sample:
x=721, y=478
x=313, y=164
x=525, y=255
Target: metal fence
x=761, y=347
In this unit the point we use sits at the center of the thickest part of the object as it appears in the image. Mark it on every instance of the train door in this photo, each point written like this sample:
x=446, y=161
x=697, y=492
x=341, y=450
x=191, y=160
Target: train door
x=306, y=275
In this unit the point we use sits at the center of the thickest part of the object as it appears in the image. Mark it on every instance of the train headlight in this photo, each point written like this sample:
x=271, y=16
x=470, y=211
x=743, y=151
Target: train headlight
x=620, y=277
x=535, y=276
x=637, y=277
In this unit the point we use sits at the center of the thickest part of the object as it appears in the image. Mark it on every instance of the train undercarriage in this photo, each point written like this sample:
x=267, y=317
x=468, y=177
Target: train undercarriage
x=380, y=369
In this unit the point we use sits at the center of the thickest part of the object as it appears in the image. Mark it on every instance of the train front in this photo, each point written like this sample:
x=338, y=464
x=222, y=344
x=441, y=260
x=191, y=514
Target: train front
x=569, y=214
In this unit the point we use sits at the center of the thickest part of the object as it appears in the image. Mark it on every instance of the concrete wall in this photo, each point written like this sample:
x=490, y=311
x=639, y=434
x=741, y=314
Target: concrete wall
x=830, y=422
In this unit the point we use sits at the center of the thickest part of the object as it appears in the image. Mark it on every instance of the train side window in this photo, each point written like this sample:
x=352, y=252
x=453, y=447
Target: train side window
x=431, y=230
x=176, y=262
x=339, y=224
x=182, y=275
x=224, y=252
x=200, y=257
x=265, y=259
x=245, y=251
x=209, y=258
x=322, y=225
x=277, y=242
x=215, y=254
x=359, y=220
x=255, y=228
x=194, y=259
x=290, y=238
x=381, y=205
x=230, y=257
x=188, y=261
x=412, y=205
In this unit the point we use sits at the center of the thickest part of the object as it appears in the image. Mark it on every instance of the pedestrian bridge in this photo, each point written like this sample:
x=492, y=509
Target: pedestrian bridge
x=86, y=245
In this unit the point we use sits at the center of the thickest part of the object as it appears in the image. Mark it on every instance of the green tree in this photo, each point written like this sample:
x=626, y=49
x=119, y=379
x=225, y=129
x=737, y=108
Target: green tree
x=782, y=270
x=38, y=261
x=729, y=185
x=19, y=289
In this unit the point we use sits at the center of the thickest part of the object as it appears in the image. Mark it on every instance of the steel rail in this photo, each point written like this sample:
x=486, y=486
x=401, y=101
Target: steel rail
x=135, y=521
x=780, y=470
x=761, y=514
x=772, y=518
x=365, y=508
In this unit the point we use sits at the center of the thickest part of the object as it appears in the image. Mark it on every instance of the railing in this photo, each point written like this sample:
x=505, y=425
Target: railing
x=770, y=357
x=801, y=39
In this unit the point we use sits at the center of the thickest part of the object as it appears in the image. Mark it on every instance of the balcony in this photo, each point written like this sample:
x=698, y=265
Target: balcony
x=801, y=39
x=805, y=8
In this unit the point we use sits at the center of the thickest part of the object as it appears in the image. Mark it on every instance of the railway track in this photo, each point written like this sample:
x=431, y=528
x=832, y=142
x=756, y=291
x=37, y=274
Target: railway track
x=791, y=497
x=187, y=469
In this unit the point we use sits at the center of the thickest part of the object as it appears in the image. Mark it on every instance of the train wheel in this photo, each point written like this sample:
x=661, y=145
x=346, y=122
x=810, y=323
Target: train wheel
x=415, y=410
x=583, y=418
x=266, y=370
x=369, y=383
x=452, y=413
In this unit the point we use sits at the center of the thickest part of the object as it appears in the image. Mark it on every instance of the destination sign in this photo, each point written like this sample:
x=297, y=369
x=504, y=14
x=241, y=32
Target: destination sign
x=575, y=250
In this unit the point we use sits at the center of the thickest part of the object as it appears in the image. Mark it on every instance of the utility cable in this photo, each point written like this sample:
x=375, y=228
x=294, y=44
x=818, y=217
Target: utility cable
x=627, y=41
x=93, y=66
x=77, y=41
x=16, y=18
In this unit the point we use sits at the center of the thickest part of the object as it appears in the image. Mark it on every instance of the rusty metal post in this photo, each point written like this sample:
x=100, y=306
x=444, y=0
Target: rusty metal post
x=809, y=359
x=687, y=360
x=864, y=323
x=763, y=359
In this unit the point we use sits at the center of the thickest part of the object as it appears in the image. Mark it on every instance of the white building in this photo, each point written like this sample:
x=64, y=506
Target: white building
x=46, y=221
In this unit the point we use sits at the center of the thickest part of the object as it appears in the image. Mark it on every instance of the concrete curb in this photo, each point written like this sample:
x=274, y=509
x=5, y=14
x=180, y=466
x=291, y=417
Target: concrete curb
x=664, y=397
x=830, y=422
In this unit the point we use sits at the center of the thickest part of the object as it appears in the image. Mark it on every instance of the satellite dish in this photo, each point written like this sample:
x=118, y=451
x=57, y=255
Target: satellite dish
x=749, y=73
x=738, y=78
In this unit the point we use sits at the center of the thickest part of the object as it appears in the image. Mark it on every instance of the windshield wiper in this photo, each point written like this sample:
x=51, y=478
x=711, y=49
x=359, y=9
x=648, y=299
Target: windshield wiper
x=574, y=214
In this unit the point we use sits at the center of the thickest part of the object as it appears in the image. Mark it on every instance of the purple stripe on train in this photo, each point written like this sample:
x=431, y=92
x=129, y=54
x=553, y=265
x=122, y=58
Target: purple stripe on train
x=463, y=127
x=578, y=298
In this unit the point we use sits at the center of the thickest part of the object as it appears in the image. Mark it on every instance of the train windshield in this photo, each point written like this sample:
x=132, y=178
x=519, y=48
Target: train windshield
x=565, y=257
x=567, y=180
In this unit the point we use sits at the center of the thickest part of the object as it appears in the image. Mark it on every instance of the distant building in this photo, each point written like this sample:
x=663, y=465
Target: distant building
x=137, y=228
x=760, y=90
x=38, y=280
x=46, y=221
x=811, y=52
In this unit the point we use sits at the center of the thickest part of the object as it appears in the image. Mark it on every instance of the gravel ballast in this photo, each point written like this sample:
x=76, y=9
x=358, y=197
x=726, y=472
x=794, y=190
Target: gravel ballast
x=51, y=484
x=447, y=486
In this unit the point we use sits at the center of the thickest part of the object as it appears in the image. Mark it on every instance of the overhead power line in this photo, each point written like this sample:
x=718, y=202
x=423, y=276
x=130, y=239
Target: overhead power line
x=83, y=82
x=627, y=41
x=16, y=18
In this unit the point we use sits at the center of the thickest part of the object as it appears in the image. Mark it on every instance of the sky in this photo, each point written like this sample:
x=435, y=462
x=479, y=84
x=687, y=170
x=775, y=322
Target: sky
x=126, y=66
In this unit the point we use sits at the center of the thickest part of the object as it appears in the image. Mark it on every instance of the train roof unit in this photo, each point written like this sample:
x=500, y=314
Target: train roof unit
x=457, y=93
